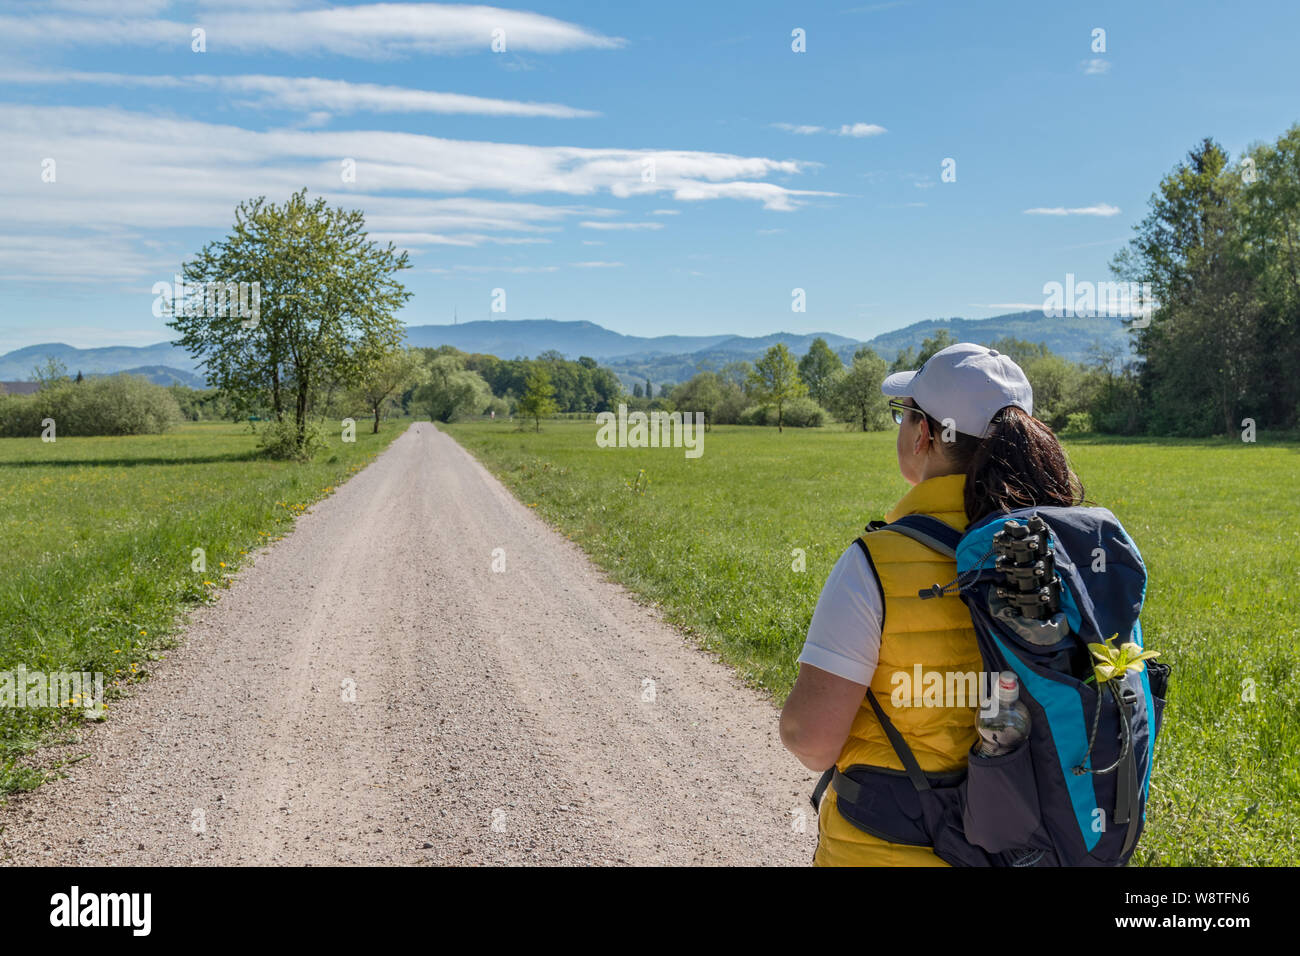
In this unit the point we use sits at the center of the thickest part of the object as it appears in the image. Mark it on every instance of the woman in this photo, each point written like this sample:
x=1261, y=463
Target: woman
x=968, y=444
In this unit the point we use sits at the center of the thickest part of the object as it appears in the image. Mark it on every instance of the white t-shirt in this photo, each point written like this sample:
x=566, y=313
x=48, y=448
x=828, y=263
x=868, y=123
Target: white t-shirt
x=844, y=636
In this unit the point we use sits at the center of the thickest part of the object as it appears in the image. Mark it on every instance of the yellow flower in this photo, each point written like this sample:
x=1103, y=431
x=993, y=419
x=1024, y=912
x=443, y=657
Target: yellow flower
x=143, y=632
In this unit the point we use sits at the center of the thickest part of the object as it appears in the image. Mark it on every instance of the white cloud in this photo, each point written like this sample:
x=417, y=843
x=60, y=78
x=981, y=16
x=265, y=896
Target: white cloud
x=856, y=130
x=621, y=225
x=1101, y=209
x=597, y=265
x=665, y=212
x=1096, y=66
x=314, y=93
x=132, y=171
x=78, y=258
x=1018, y=306
x=492, y=269
x=372, y=31
x=859, y=130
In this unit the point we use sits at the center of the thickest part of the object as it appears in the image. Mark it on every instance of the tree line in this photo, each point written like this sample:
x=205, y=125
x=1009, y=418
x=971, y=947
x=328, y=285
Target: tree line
x=1220, y=245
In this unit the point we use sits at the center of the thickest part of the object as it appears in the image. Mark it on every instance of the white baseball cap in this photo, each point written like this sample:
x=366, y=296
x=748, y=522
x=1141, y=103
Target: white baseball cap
x=966, y=383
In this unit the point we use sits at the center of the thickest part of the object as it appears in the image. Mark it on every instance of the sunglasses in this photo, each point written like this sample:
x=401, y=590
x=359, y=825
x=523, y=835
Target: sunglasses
x=897, y=409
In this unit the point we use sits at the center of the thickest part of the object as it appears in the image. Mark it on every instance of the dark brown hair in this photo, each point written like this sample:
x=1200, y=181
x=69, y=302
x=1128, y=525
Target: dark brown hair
x=1020, y=464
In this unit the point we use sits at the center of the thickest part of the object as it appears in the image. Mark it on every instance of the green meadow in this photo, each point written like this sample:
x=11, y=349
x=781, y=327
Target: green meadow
x=98, y=549
x=714, y=542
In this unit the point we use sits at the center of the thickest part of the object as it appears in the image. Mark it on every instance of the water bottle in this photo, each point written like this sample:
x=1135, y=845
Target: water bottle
x=1008, y=728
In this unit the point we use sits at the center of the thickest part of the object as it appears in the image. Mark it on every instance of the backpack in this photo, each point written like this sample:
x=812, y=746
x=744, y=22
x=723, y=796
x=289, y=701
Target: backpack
x=1075, y=793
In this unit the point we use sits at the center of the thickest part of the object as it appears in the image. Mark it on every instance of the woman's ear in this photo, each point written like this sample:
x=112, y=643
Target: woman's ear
x=922, y=441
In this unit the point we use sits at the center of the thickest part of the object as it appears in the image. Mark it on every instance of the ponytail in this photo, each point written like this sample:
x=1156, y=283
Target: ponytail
x=1019, y=464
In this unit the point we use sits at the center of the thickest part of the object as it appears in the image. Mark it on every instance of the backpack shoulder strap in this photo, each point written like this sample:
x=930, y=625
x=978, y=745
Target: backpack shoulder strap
x=931, y=532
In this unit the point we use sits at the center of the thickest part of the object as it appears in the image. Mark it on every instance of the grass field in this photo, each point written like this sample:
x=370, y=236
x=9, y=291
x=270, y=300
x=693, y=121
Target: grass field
x=98, y=539
x=710, y=541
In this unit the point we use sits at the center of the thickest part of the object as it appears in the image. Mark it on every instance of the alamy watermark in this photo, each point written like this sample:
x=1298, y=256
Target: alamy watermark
x=945, y=689
x=72, y=689
x=656, y=430
x=242, y=300
x=1086, y=299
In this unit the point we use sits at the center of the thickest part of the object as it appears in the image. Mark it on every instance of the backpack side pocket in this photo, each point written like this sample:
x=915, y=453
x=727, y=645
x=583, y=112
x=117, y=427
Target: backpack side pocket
x=1001, y=811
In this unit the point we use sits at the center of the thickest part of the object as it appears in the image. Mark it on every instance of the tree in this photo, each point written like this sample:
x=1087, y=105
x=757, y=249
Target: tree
x=538, y=400
x=857, y=397
x=775, y=380
x=50, y=372
x=451, y=390
x=904, y=361
x=387, y=376
x=932, y=344
x=636, y=390
x=649, y=389
x=80, y=378
x=1201, y=349
x=818, y=370
x=326, y=309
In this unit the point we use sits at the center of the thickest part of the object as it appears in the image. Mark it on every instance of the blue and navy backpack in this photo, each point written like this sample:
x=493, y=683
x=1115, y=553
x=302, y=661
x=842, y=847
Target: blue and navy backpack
x=1075, y=794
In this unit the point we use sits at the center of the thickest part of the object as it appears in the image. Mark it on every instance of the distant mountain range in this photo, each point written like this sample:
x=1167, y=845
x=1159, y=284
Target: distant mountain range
x=661, y=359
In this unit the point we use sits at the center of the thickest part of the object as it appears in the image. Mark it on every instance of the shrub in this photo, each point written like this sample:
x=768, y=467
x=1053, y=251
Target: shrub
x=104, y=405
x=279, y=440
x=1077, y=423
x=798, y=413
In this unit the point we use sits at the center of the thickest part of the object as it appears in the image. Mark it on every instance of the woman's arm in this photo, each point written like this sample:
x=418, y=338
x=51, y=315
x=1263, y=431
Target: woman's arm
x=817, y=716
x=839, y=656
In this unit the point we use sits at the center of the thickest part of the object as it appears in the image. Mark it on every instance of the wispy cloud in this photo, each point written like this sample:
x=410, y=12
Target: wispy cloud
x=858, y=130
x=855, y=130
x=596, y=265
x=1096, y=66
x=1018, y=306
x=1101, y=209
x=372, y=31
x=621, y=225
x=313, y=93
x=799, y=130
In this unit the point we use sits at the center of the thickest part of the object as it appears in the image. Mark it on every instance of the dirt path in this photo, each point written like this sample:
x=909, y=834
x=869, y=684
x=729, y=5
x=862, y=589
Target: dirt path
x=498, y=717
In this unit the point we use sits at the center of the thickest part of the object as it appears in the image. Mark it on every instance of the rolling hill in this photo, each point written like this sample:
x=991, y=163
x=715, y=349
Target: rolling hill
x=661, y=358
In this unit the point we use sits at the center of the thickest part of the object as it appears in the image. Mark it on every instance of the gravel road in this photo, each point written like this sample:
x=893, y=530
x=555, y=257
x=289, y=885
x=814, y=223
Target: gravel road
x=371, y=691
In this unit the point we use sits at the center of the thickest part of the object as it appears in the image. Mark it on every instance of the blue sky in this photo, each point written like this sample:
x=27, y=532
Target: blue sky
x=525, y=169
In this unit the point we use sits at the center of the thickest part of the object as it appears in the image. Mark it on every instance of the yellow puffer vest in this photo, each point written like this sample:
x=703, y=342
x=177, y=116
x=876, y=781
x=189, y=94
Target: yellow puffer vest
x=936, y=635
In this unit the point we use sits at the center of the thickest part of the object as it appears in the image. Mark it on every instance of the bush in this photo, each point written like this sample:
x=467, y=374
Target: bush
x=1077, y=423
x=107, y=405
x=798, y=413
x=279, y=440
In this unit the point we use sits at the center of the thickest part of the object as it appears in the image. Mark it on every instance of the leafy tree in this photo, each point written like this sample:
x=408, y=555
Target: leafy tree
x=328, y=298
x=905, y=361
x=818, y=370
x=934, y=343
x=775, y=381
x=387, y=376
x=857, y=397
x=50, y=372
x=538, y=400
x=636, y=390
x=737, y=373
x=451, y=390
x=1201, y=348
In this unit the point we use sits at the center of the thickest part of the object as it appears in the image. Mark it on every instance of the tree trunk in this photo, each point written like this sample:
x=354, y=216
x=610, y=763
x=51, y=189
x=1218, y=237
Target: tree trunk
x=376, y=431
